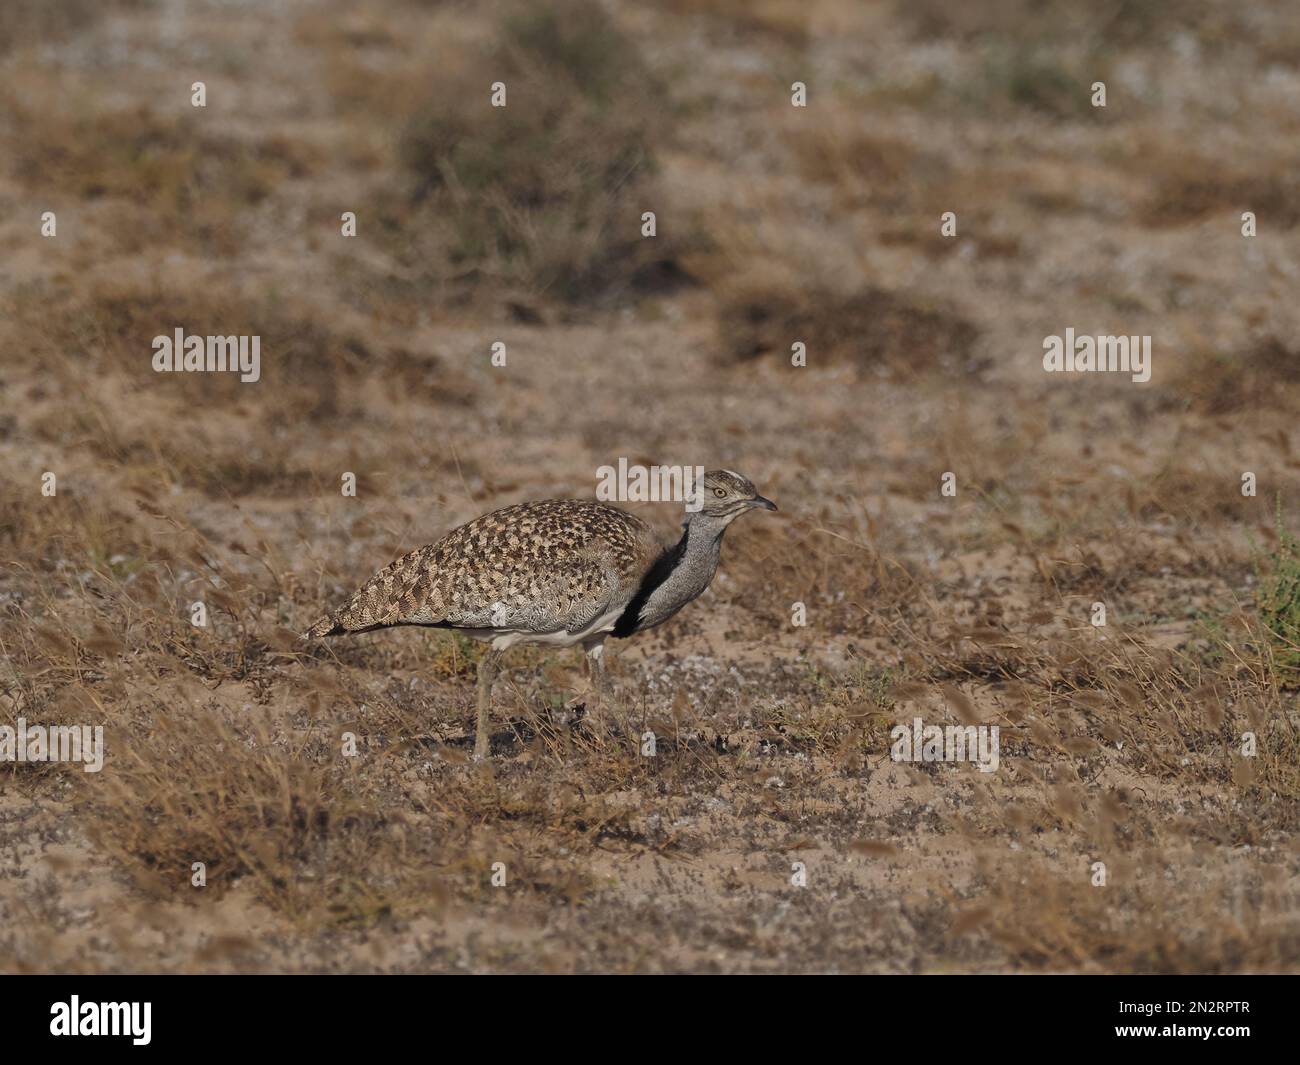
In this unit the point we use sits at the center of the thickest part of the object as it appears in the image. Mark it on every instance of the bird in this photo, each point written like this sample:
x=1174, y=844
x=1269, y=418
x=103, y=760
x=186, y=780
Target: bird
x=558, y=572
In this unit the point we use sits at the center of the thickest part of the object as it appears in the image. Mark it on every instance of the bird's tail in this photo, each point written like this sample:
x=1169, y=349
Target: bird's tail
x=326, y=626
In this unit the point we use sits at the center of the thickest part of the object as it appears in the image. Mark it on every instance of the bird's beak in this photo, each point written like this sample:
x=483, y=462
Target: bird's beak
x=759, y=501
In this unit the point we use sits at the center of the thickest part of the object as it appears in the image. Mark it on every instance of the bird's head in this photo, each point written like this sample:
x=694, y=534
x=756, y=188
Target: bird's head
x=725, y=495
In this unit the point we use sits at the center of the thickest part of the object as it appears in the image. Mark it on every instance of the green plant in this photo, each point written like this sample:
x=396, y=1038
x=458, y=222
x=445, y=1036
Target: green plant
x=1278, y=600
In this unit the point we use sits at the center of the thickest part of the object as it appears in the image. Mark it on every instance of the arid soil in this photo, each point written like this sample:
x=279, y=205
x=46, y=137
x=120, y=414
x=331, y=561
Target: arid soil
x=1145, y=812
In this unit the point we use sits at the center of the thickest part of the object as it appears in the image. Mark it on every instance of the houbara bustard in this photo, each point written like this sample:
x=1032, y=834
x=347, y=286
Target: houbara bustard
x=556, y=571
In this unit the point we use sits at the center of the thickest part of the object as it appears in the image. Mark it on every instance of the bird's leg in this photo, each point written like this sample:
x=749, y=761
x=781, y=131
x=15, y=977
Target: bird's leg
x=596, y=656
x=596, y=674
x=487, y=669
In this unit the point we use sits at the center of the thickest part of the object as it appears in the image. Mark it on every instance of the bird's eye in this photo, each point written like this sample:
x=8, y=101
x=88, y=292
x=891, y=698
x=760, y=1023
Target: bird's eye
x=719, y=492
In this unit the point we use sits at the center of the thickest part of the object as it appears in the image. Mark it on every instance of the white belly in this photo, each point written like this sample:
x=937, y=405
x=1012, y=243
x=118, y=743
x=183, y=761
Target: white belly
x=503, y=639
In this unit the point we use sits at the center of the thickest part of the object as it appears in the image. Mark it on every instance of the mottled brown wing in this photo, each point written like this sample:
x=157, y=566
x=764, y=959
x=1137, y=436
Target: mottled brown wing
x=541, y=567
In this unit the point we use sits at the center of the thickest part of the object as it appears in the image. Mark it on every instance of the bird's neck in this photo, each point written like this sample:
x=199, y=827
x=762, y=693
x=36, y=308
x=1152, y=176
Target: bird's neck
x=680, y=575
x=698, y=552
x=703, y=539
x=703, y=532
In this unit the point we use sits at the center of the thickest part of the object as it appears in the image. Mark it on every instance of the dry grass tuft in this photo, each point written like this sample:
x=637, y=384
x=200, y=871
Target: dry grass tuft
x=1117, y=22
x=33, y=23
x=876, y=330
x=174, y=179
x=1264, y=374
x=1196, y=192
x=547, y=192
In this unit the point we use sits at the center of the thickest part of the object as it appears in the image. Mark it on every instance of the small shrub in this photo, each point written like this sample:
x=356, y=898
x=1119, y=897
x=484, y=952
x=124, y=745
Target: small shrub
x=1278, y=601
x=546, y=192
